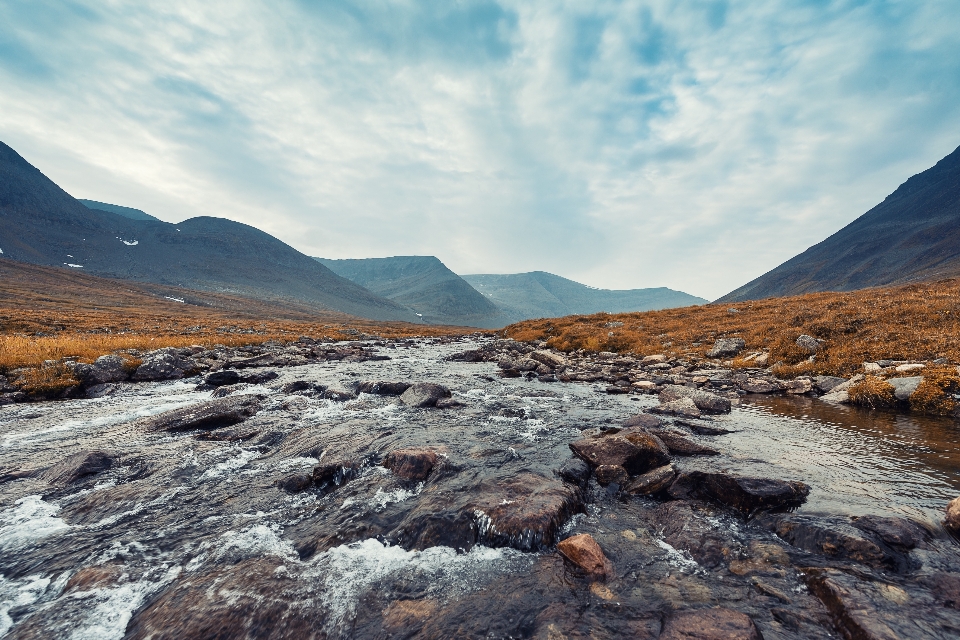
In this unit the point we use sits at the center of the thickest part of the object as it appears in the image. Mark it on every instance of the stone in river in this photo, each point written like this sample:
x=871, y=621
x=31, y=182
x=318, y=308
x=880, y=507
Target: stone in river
x=644, y=420
x=746, y=495
x=952, y=519
x=681, y=407
x=680, y=446
x=575, y=471
x=651, y=482
x=222, y=378
x=710, y=624
x=584, y=552
x=611, y=474
x=80, y=466
x=295, y=482
x=703, y=400
x=424, y=394
x=222, y=412
x=636, y=452
x=384, y=388
x=411, y=464
x=760, y=385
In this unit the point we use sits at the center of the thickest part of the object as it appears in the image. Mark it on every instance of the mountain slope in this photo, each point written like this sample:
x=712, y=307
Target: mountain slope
x=126, y=212
x=42, y=224
x=543, y=295
x=914, y=234
x=423, y=284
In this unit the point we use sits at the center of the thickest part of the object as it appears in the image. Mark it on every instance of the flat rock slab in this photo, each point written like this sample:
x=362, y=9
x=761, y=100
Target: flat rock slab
x=710, y=624
x=636, y=452
x=680, y=446
x=213, y=414
x=584, y=552
x=424, y=394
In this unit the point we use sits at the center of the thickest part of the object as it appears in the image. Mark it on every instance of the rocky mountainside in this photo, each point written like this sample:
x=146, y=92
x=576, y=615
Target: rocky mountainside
x=42, y=224
x=538, y=294
x=126, y=212
x=914, y=234
x=424, y=285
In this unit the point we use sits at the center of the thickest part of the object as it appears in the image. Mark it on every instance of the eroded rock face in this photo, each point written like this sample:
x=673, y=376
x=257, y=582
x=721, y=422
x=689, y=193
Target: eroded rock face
x=213, y=414
x=636, y=452
x=411, y=464
x=424, y=394
x=710, y=624
x=584, y=552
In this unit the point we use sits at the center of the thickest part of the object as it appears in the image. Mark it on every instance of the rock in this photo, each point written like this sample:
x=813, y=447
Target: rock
x=636, y=452
x=79, y=466
x=651, y=482
x=871, y=367
x=903, y=388
x=952, y=519
x=615, y=390
x=837, y=397
x=611, y=474
x=575, y=471
x=643, y=420
x=295, y=482
x=213, y=414
x=338, y=395
x=681, y=407
x=221, y=378
x=294, y=387
x=424, y=394
x=163, y=365
x=645, y=385
x=759, y=385
x=654, y=359
x=448, y=403
x=106, y=369
x=384, y=388
x=584, y=552
x=686, y=526
x=799, y=386
x=411, y=464
x=101, y=390
x=703, y=429
x=833, y=538
x=549, y=358
x=896, y=532
x=680, y=446
x=727, y=348
x=261, y=377
x=747, y=495
x=826, y=384
x=526, y=364
x=906, y=368
x=710, y=624
x=336, y=473
x=808, y=343
x=704, y=401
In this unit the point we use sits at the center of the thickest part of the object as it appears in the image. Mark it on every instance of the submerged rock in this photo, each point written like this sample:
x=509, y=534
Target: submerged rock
x=213, y=414
x=746, y=495
x=411, y=464
x=575, y=471
x=636, y=452
x=80, y=466
x=384, y=388
x=584, y=552
x=710, y=624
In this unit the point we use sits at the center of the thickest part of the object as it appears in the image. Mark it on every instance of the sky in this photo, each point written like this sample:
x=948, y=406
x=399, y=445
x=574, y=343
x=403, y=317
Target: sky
x=693, y=145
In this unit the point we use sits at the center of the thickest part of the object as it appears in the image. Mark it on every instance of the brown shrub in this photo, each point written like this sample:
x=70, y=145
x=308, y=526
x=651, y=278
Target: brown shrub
x=873, y=392
x=934, y=396
x=47, y=380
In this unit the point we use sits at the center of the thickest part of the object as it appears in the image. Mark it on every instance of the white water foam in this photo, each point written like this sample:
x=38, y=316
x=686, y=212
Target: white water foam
x=259, y=540
x=382, y=498
x=31, y=520
x=680, y=559
x=18, y=593
x=231, y=464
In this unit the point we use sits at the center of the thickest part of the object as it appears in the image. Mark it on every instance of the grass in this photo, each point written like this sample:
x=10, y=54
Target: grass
x=918, y=322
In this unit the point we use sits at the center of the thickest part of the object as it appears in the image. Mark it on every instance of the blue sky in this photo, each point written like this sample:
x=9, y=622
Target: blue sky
x=691, y=144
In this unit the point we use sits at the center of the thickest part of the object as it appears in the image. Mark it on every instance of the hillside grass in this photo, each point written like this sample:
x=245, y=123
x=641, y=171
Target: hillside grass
x=918, y=322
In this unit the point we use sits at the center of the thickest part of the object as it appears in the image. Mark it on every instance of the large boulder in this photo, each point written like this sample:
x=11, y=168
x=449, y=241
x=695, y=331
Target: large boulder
x=213, y=414
x=704, y=401
x=104, y=370
x=424, y=394
x=222, y=378
x=636, y=452
x=727, y=348
x=903, y=388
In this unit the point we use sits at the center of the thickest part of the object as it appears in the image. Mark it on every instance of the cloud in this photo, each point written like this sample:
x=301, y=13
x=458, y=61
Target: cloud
x=624, y=144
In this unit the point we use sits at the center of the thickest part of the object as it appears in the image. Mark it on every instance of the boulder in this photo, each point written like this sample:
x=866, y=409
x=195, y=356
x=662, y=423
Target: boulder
x=336, y=473
x=221, y=378
x=727, y=348
x=644, y=420
x=808, y=343
x=108, y=368
x=798, y=387
x=903, y=388
x=704, y=401
x=896, y=532
x=680, y=407
x=952, y=519
x=826, y=384
x=584, y=552
x=549, y=358
x=611, y=474
x=836, y=397
x=654, y=359
x=294, y=387
x=295, y=482
x=79, y=466
x=165, y=364
x=710, y=624
x=575, y=471
x=424, y=394
x=213, y=414
x=747, y=495
x=651, y=482
x=338, y=395
x=384, y=388
x=760, y=385
x=411, y=464
x=833, y=538
x=681, y=446
x=636, y=452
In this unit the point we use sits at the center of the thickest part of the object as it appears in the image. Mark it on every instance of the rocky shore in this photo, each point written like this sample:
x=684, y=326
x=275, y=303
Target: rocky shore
x=439, y=488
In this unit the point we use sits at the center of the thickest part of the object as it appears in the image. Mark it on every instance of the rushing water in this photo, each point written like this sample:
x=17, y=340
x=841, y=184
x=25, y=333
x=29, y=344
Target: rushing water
x=192, y=535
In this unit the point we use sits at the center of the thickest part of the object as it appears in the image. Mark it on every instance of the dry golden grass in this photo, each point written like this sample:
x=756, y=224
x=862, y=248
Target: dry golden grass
x=873, y=392
x=913, y=322
x=934, y=396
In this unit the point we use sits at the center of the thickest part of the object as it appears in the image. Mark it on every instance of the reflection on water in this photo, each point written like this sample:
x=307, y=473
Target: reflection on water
x=858, y=461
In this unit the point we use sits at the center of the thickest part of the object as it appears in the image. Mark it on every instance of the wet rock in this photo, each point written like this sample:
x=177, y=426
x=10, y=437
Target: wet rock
x=636, y=452
x=746, y=495
x=101, y=390
x=903, y=388
x=260, y=377
x=799, y=386
x=832, y=538
x=105, y=369
x=651, y=482
x=808, y=343
x=703, y=429
x=80, y=466
x=424, y=394
x=710, y=624
x=680, y=446
x=336, y=473
x=165, y=364
x=214, y=414
x=411, y=464
x=616, y=390
x=760, y=385
x=952, y=519
x=704, y=401
x=222, y=378
x=575, y=471
x=684, y=526
x=897, y=532
x=611, y=474
x=727, y=348
x=382, y=388
x=826, y=384
x=93, y=578
x=643, y=420
x=448, y=403
x=681, y=407
x=584, y=552
x=296, y=386
x=295, y=482
x=338, y=395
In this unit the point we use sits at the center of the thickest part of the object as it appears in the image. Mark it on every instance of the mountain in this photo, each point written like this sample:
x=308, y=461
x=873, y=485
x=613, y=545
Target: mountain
x=424, y=285
x=42, y=224
x=914, y=234
x=126, y=212
x=538, y=294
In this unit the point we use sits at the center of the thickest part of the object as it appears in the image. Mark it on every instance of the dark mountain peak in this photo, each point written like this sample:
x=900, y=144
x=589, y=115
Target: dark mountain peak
x=126, y=212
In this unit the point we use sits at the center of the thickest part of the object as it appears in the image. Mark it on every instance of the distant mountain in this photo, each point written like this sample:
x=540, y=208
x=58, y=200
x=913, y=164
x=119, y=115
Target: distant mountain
x=42, y=224
x=424, y=285
x=914, y=234
x=126, y=212
x=538, y=294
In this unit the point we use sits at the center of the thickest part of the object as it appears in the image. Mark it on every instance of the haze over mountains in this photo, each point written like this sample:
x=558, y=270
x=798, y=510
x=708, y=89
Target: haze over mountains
x=914, y=234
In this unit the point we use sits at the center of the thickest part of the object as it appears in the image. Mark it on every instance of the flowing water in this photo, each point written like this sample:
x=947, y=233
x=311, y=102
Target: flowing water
x=192, y=537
